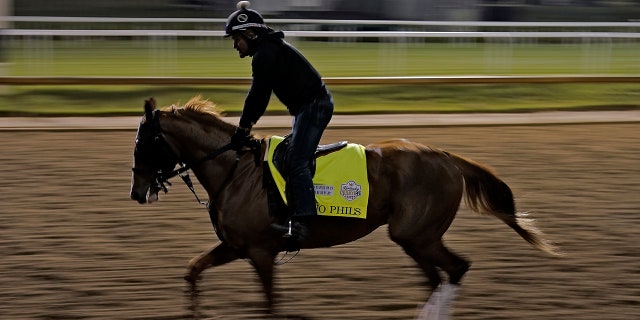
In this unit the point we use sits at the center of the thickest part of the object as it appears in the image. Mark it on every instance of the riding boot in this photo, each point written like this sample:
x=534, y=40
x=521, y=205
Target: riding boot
x=296, y=227
x=302, y=204
x=300, y=227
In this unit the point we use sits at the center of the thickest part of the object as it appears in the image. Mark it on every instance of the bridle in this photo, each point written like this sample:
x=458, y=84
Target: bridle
x=160, y=149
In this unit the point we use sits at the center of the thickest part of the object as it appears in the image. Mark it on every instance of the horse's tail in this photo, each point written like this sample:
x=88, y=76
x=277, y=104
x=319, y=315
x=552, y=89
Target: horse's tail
x=485, y=193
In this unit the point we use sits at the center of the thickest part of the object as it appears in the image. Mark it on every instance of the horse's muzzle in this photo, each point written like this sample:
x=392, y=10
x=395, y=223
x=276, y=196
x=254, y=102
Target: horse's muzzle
x=137, y=197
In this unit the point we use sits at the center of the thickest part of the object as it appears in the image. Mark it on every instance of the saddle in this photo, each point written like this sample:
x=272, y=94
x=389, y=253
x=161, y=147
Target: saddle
x=340, y=179
x=277, y=207
x=280, y=154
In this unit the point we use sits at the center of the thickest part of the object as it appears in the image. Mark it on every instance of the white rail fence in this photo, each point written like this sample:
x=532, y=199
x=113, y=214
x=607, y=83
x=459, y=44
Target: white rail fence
x=323, y=34
x=230, y=81
x=400, y=23
x=599, y=44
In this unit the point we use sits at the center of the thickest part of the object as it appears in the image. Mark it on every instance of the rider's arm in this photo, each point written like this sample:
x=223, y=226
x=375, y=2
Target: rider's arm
x=259, y=95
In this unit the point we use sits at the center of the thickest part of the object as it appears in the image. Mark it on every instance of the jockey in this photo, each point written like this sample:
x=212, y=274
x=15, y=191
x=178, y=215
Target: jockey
x=280, y=68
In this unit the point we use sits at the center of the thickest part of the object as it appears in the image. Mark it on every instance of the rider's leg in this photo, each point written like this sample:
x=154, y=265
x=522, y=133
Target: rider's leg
x=306, y=132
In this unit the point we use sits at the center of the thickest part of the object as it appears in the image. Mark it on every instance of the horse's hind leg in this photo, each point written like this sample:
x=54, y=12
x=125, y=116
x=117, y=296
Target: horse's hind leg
x=435, y=254
x=452, y=264
x=215, y=256
x=429, y=270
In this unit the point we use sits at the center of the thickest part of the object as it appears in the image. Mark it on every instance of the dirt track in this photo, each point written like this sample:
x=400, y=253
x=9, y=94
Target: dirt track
x=75, y=247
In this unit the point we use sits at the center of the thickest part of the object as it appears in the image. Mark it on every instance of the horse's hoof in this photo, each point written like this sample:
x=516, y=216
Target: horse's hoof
x=457, y=275
x=191, y=277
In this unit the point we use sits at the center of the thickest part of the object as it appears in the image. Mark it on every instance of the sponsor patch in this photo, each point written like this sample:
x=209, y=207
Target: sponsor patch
x=323, y=190
x=350, y=190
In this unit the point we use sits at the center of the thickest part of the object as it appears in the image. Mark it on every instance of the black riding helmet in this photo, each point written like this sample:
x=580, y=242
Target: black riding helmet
x=243, y=18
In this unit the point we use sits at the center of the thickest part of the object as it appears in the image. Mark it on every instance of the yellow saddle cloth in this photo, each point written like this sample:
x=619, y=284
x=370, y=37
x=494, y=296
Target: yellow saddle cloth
x=340, y=180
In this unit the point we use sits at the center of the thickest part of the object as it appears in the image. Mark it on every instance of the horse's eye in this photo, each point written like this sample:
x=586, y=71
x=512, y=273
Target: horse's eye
x=144, y=141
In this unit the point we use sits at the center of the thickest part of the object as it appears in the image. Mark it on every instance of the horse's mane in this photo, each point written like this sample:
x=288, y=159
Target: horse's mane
x=198, y=109
x=197, y=104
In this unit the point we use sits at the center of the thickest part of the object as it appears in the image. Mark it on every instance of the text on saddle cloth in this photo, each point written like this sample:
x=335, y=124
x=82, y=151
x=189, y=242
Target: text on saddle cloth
x=340, y=180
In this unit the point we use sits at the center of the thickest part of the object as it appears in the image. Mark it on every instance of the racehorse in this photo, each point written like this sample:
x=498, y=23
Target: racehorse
x=414, y=189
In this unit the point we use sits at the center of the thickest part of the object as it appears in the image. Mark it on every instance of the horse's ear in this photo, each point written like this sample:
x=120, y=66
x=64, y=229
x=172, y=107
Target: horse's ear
x=149, y=106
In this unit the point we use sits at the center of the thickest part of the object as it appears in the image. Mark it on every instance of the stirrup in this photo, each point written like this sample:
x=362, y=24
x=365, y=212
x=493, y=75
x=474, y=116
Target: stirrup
x=289, y=233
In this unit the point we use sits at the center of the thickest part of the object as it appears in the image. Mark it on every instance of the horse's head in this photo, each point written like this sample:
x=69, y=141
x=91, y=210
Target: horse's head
x=152, y=157
x=188, y=135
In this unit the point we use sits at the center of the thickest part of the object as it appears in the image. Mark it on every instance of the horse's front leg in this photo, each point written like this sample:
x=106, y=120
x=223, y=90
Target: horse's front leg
x=262, y=260
x=218, y=255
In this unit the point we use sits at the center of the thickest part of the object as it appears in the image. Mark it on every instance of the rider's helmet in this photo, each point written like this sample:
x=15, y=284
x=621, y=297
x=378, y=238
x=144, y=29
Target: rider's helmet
x=243, y=18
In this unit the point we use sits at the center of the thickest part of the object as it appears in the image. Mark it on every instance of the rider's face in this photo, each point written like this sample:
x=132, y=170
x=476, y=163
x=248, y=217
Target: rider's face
x=240, y=44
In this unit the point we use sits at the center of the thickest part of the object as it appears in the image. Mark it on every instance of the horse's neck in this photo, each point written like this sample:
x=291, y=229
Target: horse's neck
x=192, y=142
x=195, y=143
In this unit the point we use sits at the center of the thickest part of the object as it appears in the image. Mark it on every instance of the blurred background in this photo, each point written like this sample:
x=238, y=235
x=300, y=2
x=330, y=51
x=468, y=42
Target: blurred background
x=446, y=10
x=75, y=247
x=419, y=38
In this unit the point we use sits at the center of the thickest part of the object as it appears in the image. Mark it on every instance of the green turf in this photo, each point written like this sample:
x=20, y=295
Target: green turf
x=195, y=58
x=216, y=58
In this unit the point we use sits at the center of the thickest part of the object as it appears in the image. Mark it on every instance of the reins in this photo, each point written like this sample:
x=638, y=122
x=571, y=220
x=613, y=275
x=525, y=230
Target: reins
x=184, y=168
x=161, y=179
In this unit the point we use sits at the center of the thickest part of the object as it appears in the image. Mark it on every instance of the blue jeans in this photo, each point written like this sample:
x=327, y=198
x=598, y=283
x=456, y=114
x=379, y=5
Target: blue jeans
x=307, y=129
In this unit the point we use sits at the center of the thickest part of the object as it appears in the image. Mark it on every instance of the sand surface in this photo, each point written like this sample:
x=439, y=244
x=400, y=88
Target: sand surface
x=75, y=247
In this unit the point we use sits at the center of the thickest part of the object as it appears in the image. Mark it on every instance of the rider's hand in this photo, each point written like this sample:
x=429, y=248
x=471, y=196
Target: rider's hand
x=239, y=138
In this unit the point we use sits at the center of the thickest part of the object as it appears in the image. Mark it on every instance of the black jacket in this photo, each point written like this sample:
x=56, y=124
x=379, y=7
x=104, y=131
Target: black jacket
x=280, y=68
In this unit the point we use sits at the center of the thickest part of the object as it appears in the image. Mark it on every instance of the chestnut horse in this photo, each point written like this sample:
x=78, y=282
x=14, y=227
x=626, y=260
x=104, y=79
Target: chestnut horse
x=414, y=189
